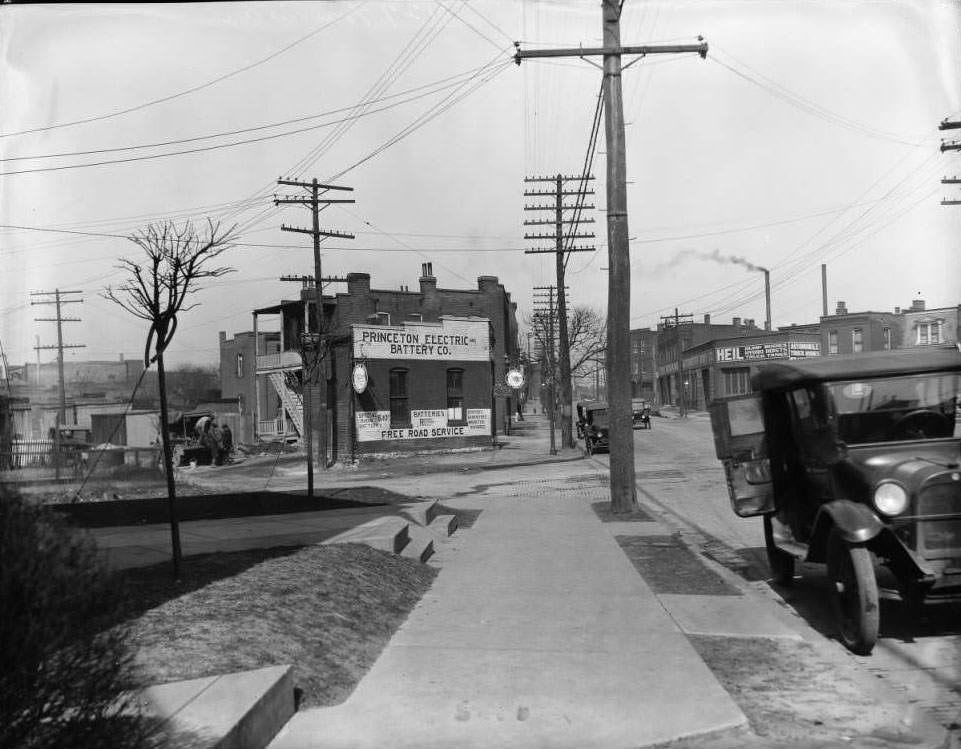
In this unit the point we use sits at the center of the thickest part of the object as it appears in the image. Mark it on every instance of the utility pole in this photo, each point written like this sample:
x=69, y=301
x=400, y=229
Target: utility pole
x=679, y=355
x=564, y=243
x=307, y=281
x=544, y=319
x=59, y=301
x=951, y=181
x=950, y=146
x=623, y=492
x=313, y=344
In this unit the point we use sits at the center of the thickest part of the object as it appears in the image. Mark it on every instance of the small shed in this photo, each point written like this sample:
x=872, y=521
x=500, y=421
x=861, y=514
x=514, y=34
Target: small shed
x=131, y=428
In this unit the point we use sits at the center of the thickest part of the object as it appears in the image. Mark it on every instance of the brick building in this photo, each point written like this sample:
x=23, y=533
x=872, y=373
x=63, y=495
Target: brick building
x=930, y=327
x=276, y=389
x=853, y=332
x=422, y=386
x=238, y=359
x=724, y=366
x=673, y=339
x=643, y=363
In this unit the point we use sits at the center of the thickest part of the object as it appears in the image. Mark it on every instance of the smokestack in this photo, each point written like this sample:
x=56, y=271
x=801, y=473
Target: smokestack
x=824, y=290
x=767, y=299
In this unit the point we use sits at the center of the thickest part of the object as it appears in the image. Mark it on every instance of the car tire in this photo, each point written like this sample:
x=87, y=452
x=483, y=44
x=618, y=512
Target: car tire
x=780, y=562
x=854, y=592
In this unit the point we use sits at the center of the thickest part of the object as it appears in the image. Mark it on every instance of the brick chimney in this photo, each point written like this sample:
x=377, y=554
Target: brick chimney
x=707, y=319
x=842, y=309
x=428, y=283
x=488, y=284
x=917, y=305
x=358, y=284
x=736, y=321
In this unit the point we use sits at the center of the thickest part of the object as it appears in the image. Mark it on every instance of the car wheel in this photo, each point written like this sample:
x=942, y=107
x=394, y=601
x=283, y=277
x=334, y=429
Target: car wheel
x=780, y=562
x=854, y=593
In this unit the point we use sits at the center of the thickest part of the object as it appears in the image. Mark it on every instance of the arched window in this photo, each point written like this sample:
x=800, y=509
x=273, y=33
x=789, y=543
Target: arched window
x=399, y=404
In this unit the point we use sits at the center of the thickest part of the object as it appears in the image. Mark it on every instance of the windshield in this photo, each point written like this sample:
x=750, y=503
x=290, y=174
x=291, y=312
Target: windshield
x=599, y=418
x=896, y=408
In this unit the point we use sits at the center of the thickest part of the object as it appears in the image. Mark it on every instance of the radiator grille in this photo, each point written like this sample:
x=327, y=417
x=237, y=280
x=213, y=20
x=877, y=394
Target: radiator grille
x=940, y=499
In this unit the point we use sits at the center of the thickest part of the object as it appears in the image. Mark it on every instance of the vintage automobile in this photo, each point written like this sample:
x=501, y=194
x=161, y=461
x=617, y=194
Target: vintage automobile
x=593, y=426
x=854, y=462
x=641, y=413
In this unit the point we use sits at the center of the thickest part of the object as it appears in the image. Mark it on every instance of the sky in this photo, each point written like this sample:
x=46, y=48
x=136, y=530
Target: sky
x=808, y=136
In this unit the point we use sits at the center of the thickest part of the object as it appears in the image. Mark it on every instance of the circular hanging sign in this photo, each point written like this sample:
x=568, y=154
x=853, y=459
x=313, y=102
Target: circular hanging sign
x=359, y=378
x=515, y=378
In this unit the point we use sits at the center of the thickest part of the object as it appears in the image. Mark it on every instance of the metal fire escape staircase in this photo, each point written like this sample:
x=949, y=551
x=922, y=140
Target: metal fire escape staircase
x=292, y=400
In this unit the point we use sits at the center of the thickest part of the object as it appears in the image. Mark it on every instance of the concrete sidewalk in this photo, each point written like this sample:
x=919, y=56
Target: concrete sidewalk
x=538, y=631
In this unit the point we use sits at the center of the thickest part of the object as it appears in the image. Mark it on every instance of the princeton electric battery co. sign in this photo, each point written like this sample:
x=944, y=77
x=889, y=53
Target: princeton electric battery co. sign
x=452, y=340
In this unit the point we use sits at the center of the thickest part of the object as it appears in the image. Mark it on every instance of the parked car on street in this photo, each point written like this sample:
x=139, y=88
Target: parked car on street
x=593, y=426
x=855, y=462
x=641, y=413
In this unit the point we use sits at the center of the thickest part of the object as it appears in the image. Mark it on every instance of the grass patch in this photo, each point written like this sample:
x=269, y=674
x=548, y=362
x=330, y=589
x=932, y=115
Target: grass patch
x=326, y=610
x=790, y=692
x=603, y=512
x=669, y=566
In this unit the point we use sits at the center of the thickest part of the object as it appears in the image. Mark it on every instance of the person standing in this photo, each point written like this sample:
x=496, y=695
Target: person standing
x=227, y=443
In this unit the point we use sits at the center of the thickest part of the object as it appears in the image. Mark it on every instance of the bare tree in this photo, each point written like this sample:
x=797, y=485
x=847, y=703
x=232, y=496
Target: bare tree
x=157, y=290
x=586, y=339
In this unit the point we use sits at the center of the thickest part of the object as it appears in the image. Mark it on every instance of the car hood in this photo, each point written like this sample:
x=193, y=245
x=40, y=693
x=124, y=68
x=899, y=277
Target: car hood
x=909, y=464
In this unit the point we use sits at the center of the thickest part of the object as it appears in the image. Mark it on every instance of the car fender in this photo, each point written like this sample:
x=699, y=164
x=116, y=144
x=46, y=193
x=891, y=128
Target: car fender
x=857, y=523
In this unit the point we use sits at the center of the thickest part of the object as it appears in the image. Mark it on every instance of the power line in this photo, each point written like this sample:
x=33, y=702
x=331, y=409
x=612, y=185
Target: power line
x=261, y=139
x=99, y=118
x=806, y=105
x=434, y=87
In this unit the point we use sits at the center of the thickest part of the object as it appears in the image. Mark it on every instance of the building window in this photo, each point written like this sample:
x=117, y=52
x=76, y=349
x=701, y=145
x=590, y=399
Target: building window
x=886, y=338
x=455, y=396
x=399, y=405
x=832, y=342
x=928, y=332
x=240, y=366
x=857, y=340
x=737, y=381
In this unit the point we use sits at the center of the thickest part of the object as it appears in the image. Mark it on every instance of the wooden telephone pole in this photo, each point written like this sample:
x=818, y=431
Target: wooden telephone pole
x=623, y=496
x=545, y=319
x=313, y=342
x=59, y=301
x=948, y=145
x=563, y=244
x=679, y=355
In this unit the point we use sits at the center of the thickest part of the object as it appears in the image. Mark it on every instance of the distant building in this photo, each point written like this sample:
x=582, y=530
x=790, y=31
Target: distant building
x=723, y=367
x=853, y=332
x=644, y=363
x=238, y=361
x=930, y=327
x=673, y=339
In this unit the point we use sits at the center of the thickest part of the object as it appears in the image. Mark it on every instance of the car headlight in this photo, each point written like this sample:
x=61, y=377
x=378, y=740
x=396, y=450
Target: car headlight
x=890, y=498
